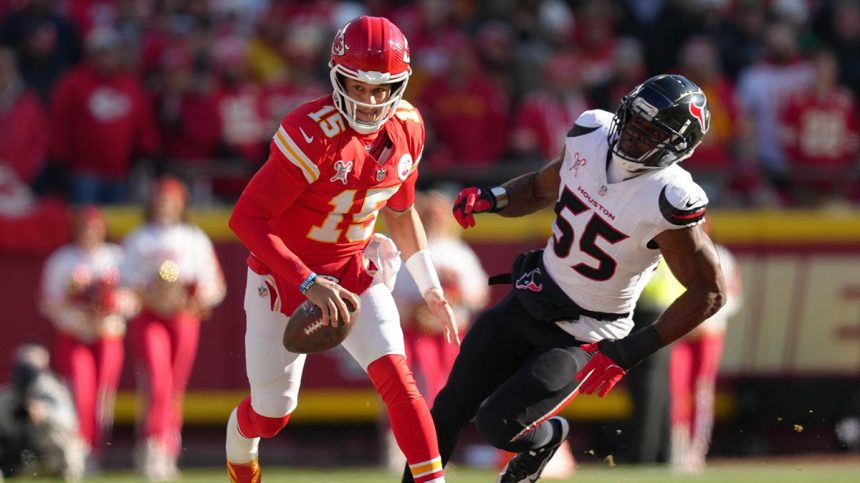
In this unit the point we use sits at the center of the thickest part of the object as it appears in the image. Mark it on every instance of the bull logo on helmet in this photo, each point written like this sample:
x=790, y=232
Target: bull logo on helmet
x=698, y=111
x=338, y=47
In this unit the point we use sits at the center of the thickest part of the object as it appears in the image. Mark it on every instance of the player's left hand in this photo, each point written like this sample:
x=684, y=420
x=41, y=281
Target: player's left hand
x=601, y=371
x=440, y=308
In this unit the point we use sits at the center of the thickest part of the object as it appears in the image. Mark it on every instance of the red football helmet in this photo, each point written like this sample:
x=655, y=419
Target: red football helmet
x=375, y=51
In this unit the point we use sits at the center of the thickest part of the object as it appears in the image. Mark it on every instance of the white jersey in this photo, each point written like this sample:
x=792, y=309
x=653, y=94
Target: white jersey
x=180, y=253
x=601, y=252
x=71, y=272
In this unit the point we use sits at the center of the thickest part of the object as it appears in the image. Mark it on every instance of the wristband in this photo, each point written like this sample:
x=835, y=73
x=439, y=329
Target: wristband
x=422, y=270
x=308, y=283
x=500, y=195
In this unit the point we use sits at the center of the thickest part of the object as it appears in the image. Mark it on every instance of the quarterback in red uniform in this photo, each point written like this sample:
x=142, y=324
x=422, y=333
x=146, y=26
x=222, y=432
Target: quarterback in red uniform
x=308, y=218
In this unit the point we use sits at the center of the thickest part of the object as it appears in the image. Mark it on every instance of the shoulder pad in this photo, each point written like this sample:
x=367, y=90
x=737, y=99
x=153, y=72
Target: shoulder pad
x=683, y=204
x=407, y=112
x=590, y=121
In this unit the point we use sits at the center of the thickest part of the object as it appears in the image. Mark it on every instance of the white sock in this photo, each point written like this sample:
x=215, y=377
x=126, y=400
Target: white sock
x=239, y=448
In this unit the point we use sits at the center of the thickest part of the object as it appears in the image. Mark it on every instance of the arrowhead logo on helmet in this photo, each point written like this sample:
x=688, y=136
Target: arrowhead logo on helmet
x=338, y=47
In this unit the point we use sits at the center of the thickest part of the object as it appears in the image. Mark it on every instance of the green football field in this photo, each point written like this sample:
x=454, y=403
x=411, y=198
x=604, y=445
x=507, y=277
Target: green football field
x=807, y=469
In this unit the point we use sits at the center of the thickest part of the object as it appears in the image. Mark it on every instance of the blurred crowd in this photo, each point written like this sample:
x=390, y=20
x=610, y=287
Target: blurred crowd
x=95, y=92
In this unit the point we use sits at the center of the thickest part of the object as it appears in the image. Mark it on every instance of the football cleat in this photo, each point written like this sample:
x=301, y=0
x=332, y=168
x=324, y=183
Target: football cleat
x=526, y=467
x=244, y=472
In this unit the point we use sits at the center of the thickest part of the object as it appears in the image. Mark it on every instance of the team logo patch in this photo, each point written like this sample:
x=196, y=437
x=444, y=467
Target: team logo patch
x=404, y=166
x=343, y=169
x=698, y=111
x=578, y=162
x=530, y=281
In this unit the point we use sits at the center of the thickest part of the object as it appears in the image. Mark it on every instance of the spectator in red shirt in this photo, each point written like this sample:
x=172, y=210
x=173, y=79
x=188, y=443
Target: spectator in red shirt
x=23, y=123
x=819, y=135
x=102, y=119
x=297, y=82
x=239, y=103
x=186, y=110
x=548, y=113
x=466, y=112
x=628, y=70
x=594, y=37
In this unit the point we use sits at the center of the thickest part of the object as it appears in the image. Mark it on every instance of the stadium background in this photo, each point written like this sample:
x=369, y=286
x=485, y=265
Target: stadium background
x=788, y=378
x=791, y=372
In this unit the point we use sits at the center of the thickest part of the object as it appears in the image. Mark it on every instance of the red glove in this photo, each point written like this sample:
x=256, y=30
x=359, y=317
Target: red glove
x=615, y=357
x=601, y=370
x=473, y=200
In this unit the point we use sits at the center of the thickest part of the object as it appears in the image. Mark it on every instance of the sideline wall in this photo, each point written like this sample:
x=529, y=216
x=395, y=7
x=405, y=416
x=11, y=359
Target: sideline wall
x=800, y=319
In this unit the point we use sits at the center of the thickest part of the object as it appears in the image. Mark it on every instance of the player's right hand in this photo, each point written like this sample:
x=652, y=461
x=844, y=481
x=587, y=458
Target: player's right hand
x=470, y=201
x=331, y=298
x=601, y=373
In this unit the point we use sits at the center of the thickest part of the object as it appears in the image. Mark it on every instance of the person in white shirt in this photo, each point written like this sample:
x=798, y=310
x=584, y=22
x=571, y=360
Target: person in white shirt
x=172, y=266
x=81, y=295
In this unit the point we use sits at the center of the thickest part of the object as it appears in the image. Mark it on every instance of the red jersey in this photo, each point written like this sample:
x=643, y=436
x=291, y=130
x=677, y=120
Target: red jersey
x=820, y=131
x=319, y=193
x=100, y=122
x=24, y=128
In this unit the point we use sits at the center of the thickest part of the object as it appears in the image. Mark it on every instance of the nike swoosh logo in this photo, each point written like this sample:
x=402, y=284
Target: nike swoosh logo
x=308, y=139
x=691, y=204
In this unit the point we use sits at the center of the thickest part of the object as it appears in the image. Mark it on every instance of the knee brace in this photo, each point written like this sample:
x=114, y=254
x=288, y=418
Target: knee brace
x=253, y=425
x=393, y=380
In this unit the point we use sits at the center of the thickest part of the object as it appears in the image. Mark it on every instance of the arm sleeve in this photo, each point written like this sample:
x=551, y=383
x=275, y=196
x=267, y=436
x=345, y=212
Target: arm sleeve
x=272, y=190
x=405, y=196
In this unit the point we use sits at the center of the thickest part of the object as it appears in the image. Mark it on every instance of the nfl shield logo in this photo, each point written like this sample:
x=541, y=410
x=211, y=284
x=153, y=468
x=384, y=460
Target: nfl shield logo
x=380, y=174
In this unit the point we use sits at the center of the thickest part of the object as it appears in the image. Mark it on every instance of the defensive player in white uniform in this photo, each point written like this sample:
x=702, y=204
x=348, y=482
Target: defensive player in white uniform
x=622, y=202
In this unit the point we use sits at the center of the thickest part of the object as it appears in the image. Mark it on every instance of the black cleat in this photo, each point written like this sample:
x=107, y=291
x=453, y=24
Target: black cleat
x=527, y=466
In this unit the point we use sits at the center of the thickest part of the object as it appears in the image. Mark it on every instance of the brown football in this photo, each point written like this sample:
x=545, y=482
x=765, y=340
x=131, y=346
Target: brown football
x=306, y=334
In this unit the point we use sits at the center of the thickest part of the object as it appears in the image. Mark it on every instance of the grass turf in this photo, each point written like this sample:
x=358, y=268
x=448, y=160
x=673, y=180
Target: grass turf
x=798, y=470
